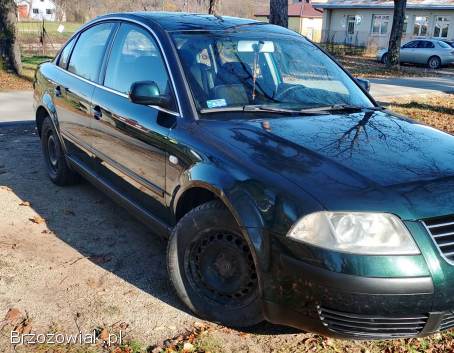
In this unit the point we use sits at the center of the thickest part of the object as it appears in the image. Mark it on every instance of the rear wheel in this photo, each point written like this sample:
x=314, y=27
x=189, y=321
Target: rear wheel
x=54, y=158
x=385, y=59
x=212, y=269
x=434, y=62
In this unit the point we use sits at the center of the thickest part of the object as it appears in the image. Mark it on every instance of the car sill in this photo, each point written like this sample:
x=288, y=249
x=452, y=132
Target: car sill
x=143, y=215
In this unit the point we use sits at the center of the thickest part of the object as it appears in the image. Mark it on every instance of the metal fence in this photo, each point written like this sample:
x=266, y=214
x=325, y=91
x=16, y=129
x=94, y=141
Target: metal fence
x=42, y=38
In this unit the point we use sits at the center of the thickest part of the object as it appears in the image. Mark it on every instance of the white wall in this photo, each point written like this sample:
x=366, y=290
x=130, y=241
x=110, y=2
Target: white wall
x=335, y=25
x=42, y=7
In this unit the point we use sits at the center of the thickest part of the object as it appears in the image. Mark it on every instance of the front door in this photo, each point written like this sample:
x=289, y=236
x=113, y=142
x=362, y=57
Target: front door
x=130, y=139
x=407, y=51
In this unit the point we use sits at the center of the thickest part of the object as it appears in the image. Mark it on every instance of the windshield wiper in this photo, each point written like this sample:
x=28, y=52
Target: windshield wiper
x=339, y=108
x=251, y=109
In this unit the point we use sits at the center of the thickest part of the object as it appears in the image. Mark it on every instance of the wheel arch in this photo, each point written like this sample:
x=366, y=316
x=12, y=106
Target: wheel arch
x=242, y=207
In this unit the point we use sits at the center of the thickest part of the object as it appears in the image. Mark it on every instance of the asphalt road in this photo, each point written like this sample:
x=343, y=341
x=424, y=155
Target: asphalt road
x=17, y=105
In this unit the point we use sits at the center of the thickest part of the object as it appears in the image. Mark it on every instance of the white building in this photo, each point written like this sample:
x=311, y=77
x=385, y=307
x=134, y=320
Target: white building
x=368, y=22
x=37, y=10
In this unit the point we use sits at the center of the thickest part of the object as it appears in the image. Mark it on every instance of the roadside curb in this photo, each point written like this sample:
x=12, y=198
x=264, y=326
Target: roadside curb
x=20, y=123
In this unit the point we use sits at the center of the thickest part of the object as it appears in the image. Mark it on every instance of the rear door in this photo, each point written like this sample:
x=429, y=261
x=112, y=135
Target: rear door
x=424, y=51
x=407, y=51
x=80, y=64
x=130, y=139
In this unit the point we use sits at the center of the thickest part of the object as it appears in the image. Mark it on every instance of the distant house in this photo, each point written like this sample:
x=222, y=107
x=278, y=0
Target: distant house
x=303, y=18
x=369, y=22
x=36, y=10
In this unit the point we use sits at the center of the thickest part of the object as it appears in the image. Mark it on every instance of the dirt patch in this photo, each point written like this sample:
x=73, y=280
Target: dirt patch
x=71, y=259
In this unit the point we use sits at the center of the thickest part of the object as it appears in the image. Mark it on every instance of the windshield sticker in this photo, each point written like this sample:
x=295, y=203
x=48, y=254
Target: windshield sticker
x=216, y=103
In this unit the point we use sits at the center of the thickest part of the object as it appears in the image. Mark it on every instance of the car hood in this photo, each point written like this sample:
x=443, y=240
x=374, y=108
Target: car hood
x=372, y=161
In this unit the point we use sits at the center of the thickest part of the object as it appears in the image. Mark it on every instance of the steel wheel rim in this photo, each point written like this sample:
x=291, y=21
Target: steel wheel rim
x=220, y=267
x=52, y=152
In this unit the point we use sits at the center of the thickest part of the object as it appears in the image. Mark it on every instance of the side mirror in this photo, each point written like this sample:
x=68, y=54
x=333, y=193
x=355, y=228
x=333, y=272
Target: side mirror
x=364, y=83
x=147, y=93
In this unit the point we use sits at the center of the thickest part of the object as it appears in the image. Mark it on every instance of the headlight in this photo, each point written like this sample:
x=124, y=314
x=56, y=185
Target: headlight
x=355, y=232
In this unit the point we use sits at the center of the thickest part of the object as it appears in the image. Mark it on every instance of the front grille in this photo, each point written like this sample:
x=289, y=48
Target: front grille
x=442, y=231
x=447, y=321
x=376, y=326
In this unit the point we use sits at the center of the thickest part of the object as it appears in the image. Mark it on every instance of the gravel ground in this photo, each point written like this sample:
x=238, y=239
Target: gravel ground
x=71, y=258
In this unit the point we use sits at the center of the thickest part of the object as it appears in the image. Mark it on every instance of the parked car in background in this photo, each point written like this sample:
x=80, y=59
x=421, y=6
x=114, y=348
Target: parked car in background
x=450, y=42
x=431, y=52
x=287, y=194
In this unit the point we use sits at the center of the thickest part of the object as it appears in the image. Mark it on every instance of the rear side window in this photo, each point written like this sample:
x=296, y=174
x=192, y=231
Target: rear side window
x=89, y=51
x=64, y=56
x=425, y=44
x=135, y=57
x=413, y=44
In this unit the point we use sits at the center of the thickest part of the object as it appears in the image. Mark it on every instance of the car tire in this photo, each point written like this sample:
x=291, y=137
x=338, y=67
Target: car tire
x=54, y=158
x=434, y=62
x=385, y=58
x=211, y=267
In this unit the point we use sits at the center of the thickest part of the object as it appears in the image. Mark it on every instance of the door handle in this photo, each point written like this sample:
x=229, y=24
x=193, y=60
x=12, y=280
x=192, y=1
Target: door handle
x=57, y=91
x=97, y=112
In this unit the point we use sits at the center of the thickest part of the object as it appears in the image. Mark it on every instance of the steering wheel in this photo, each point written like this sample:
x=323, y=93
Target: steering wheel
x=287, y=91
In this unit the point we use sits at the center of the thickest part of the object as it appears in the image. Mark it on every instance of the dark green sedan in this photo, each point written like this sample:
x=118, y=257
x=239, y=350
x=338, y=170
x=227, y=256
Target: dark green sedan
x=287, y=194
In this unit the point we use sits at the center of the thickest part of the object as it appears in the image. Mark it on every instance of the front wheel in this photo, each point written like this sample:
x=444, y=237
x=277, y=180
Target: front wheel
x=212, y=269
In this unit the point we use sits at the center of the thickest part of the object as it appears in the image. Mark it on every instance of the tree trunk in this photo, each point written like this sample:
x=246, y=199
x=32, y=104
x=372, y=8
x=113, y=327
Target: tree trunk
x=214, y=7
x=279, y=12
x=9, y=47
x=395, y=38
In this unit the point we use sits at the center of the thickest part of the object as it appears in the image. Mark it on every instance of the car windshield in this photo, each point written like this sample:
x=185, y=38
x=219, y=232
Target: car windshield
x=228, y=70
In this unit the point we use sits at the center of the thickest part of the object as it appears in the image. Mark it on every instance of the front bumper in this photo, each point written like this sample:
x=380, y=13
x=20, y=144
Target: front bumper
x=359, y=297
x=346, y=306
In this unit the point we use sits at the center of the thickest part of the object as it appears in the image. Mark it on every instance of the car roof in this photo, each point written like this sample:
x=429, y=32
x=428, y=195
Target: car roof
x=180, y=21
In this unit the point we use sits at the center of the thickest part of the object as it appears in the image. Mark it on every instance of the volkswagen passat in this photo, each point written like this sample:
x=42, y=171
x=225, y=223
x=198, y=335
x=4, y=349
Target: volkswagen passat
x=286, y=192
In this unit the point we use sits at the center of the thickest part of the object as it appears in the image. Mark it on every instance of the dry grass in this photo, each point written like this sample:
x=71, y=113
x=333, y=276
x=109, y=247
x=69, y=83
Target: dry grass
x=437, y=111
x=10, y=81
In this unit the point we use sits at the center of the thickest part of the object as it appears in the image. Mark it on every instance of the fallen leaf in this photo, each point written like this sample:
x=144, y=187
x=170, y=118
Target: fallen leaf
x=13, y=316
x=69, y=212
x=5, y=188
x=104, y=334
x=24, y=203
x=37, y=219
x=99, y=260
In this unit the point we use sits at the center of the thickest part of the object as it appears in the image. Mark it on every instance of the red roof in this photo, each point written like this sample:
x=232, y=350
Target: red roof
x=299, y=9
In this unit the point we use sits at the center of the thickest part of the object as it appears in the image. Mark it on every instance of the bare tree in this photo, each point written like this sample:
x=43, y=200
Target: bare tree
x=9, y=46
x=279, y=12
x=213, y=9
x=395, y=38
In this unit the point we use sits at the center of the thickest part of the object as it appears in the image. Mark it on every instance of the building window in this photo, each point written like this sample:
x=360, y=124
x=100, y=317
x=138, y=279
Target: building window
x=351, y=21
x=36, y=11
x=49, y=11
x=421, y=26
x=441, y=28
x=380, y=24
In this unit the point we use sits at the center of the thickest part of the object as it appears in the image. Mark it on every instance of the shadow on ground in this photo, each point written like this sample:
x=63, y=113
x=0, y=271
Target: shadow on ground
x=89, y=222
